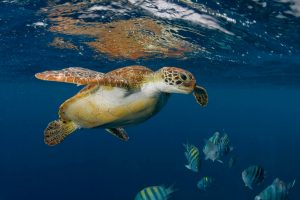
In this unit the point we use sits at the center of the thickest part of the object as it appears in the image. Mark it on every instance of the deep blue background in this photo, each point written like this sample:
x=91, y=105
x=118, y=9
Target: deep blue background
x=263, y=124
x=256, y=103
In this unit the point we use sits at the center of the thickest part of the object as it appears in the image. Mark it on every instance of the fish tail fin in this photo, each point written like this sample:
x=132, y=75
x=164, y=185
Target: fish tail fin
x=292, y=184
x=171, y=189
x=57, y=131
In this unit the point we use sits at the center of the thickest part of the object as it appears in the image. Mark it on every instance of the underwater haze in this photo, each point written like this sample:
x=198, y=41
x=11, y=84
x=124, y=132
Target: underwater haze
x=245, y=53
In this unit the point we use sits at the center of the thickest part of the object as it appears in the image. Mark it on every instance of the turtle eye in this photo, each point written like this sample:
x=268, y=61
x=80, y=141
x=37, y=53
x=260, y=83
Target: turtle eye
x=183, y=77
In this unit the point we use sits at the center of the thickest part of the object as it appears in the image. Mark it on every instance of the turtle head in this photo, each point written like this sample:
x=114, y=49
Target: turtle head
x=176, y=80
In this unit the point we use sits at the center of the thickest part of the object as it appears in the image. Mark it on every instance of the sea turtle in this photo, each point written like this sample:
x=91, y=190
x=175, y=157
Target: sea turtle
x=113, y=100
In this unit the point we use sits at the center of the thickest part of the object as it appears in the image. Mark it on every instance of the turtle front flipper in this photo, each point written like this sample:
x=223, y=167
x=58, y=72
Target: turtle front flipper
x=57, y=130
x=76, y=75
x=82, y=76
x=119, y=133
x=201, y=95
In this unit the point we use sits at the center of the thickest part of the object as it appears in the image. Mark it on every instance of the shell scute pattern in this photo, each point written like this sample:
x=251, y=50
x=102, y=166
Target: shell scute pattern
x=114, y=81
x=135, y=75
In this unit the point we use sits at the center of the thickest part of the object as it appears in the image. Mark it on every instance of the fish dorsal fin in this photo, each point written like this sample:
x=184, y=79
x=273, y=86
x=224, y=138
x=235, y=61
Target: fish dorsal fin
x=216, y=134
x=81, y=76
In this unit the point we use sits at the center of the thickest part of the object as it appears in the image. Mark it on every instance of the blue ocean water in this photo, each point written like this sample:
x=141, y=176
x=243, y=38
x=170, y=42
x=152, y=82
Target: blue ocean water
x=251, y=73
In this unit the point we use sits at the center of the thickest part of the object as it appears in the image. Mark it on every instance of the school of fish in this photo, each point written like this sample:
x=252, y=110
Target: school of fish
x=216, y=148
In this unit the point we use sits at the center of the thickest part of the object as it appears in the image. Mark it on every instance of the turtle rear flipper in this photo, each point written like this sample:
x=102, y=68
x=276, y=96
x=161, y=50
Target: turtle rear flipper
x=119, y=133
x=57, y=131
x=201, y=95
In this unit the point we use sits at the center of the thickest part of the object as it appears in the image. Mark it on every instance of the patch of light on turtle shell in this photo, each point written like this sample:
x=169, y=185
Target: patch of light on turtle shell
x=169, y=10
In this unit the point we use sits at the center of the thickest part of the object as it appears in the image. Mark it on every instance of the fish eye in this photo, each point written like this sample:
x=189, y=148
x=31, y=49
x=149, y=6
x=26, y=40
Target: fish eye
x=183, y=77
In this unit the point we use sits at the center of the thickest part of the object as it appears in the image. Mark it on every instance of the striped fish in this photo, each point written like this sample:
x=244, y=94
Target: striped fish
x=154, y=193
x=278, y=190
x=223, y=145
x=205, y=183
x=216, y=147
x=192, y=155
x=224, y=149
x=253, y=175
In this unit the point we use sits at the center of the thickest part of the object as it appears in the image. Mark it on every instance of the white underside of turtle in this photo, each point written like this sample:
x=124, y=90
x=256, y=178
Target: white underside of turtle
x=114, y=108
